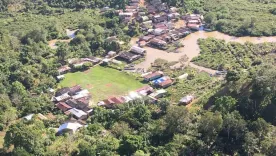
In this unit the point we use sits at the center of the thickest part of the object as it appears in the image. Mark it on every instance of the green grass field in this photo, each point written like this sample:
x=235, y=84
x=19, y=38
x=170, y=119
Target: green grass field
x=102, y=82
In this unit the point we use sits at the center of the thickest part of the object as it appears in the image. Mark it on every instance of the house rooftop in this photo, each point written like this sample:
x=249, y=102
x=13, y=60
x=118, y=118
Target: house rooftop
x=78, y=113
x=81, y=94
x=165, y=83
x=160, y=80
x=153, y=74
x=137, y=50
x=186, y=99
x=62, y=91
x=75, y=89
x=108, y=101
x=74, y=126
x=158, y=93
x=28, y=117
x=129, y=56
x=63, y=106
x=134, y=95
x=117, y=100
x=158, y=41
x=62, y=97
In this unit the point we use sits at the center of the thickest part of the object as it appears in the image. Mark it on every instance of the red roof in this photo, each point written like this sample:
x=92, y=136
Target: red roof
x=192, y=25
x=117, y=100
x=63, y=106
x=108, y=101
x=75, y=88
x=165, y=83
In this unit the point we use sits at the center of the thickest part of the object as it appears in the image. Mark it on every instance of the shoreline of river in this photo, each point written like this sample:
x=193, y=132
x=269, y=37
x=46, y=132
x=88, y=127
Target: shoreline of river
x=191, y=47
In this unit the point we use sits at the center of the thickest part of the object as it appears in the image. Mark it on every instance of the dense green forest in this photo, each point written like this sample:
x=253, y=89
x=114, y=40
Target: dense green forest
x=239, y=119
x=29, y=65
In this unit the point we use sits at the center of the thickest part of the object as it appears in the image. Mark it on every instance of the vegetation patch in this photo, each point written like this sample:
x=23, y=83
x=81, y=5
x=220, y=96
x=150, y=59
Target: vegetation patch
x=219, y=55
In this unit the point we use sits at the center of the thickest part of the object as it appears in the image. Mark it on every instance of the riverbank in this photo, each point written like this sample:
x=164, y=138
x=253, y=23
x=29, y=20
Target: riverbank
x=191, y=48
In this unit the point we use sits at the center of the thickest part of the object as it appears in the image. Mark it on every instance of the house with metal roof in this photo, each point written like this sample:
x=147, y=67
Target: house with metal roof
x=165, y=83
x=63, y=106
x=160, y=80
x=153, y=76
x=159, y=18
x=146, y=38
x=81, y=94
x=158, y=94
x=70, y=127
x=158, y=43
x=144, y=91
x=128, y=57
x=62, y=97
x=134, y=95
x=78, y=114
x=62, y=91
x=159, y=31
x=138, y=50
x=73, y=90
x=186, y=100
x=79, y=103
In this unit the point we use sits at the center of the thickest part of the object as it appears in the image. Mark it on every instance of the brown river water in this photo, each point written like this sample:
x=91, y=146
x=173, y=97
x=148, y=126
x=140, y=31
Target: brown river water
x=191, y=48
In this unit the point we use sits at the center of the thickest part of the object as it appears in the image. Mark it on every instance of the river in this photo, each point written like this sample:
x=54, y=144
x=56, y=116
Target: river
x=191, y=48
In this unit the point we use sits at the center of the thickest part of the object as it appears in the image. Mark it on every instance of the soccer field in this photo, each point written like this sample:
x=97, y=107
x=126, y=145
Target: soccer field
x=102, y=82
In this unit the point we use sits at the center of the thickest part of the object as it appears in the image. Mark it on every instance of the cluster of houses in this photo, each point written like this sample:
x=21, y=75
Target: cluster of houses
x=75, y=63
x=193, y=21
x=157, y=22
x=157, y=79
x=133, y=95
x=73, y=101
x=146, y=91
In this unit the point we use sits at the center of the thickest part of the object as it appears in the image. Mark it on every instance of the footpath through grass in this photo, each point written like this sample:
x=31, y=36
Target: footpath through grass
x=102, y=82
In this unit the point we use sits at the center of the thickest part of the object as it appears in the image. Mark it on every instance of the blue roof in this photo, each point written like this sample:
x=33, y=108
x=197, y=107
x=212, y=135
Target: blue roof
x=157, y=81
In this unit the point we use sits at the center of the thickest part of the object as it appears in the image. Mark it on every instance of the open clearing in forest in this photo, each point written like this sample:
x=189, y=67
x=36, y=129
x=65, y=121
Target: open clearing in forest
x=102, y=82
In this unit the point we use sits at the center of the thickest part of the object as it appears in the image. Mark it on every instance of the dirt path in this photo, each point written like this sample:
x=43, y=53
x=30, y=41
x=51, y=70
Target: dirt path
x=70, y=34
x=52, y=43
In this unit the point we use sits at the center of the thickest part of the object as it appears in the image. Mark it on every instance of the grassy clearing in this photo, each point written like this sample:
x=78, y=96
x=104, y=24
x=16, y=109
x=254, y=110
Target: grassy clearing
x=102, y=82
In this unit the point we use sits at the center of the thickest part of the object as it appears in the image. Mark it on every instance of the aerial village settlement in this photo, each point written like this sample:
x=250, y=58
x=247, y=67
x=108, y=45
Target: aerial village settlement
x=137, y=77
x=163, y=28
